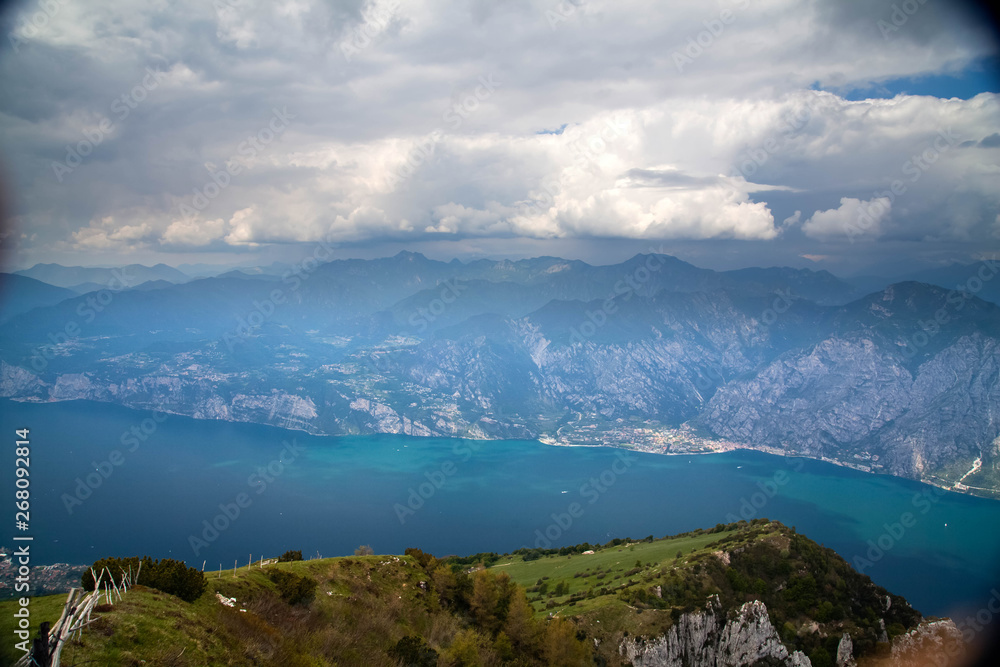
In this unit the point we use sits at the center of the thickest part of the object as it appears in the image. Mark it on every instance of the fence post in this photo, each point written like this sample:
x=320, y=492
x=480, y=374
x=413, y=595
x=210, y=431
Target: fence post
x=40, y=650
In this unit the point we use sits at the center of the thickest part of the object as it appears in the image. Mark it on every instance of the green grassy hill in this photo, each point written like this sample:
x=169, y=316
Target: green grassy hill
x=641, y=588
x=528, y=608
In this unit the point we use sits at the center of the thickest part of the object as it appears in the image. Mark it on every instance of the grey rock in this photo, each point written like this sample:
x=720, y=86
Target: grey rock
x=709, y=639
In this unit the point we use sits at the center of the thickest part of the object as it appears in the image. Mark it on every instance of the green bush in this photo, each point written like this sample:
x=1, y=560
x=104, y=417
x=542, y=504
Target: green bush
x=414, y=651
x=293, y=588
x=290, y=556
x=170, y=576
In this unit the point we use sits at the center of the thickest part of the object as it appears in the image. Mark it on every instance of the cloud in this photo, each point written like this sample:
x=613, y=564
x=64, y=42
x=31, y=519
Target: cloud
x=851, y=219
x=586, y=131
x=110, y=234
x=991, y=141
x=193, y=233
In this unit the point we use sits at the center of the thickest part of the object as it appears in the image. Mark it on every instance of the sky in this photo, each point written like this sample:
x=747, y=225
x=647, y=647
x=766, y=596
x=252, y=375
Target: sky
x=857, y=136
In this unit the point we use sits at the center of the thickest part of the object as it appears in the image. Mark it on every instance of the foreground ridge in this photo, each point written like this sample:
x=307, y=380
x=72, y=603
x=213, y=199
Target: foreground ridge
x=736, y=594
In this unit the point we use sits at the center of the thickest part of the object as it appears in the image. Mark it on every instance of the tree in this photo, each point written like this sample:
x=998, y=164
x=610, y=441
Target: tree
x=364, y=550
x=414, y=651
x=426, y=561
x=484, y=601
x=562, y=647
x=290, y=556
x=521, y=626
x=445, y=583
x=464, y=649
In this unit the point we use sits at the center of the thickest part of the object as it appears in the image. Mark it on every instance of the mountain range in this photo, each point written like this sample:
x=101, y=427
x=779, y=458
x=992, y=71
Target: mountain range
x=652, y=353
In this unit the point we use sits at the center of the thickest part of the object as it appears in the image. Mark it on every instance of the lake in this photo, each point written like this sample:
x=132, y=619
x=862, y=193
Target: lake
x=108, y=480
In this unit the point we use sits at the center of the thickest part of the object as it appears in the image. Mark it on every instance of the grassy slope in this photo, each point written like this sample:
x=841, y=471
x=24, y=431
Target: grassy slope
x=164, y=630
x=364, y=605
x=612, y=562
x=794, y=576
x=47, y=608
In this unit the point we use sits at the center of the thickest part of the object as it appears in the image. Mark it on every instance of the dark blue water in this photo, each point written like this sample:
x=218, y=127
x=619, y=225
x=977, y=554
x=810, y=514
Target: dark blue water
x=456, y=497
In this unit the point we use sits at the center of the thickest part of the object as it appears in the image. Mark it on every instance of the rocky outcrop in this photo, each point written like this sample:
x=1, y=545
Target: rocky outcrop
x=845, y=652
x=17, y=381
x=709, y=639
x=930, y=644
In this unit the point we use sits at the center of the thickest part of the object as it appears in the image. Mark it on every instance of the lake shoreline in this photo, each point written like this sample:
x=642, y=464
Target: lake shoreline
x=723, y=445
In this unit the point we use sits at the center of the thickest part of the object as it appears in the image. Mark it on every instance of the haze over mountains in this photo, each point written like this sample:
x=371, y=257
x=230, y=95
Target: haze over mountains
x=74, y=276
x=904, y=380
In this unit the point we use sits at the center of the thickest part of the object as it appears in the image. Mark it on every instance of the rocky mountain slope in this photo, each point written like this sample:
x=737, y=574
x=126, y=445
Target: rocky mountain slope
x=652, y=353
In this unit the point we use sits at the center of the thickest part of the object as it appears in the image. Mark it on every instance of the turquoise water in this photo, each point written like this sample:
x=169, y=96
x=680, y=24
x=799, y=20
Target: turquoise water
x=332, y=494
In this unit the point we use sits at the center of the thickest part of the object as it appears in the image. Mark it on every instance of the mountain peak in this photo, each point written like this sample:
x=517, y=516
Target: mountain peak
x=409, y=255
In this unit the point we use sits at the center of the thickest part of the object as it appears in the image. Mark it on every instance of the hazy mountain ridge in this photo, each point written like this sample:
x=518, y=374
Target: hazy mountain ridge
x=19, y=294
x=126, y=276
x=904, y=381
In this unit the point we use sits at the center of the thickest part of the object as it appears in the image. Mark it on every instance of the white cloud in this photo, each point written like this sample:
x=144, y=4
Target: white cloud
x=244, y=227
x=109, y=234
x=853, y=218
x=193, y=232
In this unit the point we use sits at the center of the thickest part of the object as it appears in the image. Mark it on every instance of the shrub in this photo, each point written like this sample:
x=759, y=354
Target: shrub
x=290, y=556
x=293, y=588
x=425, y=560
x=169, y=576
x=411, y=650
